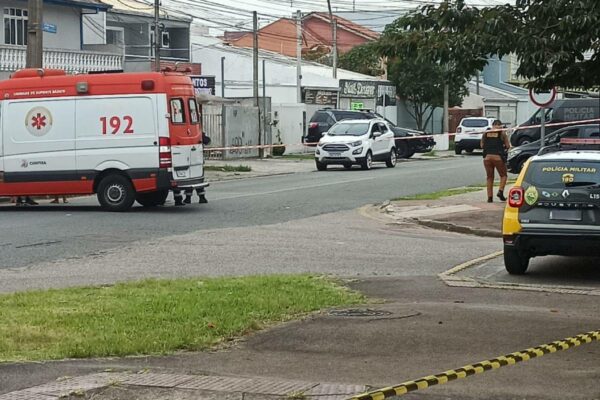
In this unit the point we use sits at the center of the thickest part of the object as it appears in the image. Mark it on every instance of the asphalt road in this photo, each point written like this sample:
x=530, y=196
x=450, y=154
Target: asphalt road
x=48, y=233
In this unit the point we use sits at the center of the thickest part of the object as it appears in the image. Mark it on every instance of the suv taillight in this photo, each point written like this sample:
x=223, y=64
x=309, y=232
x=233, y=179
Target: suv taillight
x=165, y=159
x=458, y=130
x=313, y=125
x=516, y=196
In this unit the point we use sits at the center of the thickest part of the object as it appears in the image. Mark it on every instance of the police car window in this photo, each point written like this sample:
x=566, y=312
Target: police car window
x=193, y=111
x=383, y=128
x=177, y=111
x=560, y=174
x=571, y=133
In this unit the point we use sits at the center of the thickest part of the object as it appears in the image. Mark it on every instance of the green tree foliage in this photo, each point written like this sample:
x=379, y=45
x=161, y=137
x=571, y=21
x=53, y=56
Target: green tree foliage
x=421, y=89
x=549, y=38
x=430, y=47
x=363, y=59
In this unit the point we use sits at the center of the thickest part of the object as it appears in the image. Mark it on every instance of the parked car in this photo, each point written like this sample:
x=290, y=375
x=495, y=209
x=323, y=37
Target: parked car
x=517, y=156
x=323, y=120
x=469, y=132
x=357, y=142
x=405, y=147
x=569, y=111
x=554, y=207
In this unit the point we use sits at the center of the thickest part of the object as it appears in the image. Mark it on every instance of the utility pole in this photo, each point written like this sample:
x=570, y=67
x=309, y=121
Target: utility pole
x=157, y=35
x=255, y=75
x=353, y=5
x=222, y=76
x=299, y=55
x=333, y=39
x=446, y=107
x=264, y=95
x=255, y=57
x=35, y=43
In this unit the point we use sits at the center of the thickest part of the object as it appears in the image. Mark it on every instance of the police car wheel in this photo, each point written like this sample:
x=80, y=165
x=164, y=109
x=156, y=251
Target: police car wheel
x=515, y=263
x=367, y=163
x=116, y=193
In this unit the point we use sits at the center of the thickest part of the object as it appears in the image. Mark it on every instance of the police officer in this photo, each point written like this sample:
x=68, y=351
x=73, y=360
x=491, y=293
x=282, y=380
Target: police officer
x=495, y=145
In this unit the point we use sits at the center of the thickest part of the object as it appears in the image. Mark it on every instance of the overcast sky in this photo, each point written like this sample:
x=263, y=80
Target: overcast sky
x=237, y=14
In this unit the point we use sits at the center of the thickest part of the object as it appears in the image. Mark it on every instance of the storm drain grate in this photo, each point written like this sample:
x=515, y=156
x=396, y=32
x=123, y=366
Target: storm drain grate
x=358, y=312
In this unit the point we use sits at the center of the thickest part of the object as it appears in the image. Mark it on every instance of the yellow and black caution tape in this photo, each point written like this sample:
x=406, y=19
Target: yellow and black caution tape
x=479, y=367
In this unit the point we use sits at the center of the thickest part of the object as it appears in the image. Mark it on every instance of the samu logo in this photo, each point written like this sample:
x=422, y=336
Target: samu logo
x=24, y=163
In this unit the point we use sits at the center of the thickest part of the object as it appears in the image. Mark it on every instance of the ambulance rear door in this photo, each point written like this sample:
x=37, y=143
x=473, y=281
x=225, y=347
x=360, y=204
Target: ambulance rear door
x=186, y=147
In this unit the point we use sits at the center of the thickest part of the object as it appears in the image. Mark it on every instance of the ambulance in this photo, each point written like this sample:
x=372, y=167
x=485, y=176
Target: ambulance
x=125, y=137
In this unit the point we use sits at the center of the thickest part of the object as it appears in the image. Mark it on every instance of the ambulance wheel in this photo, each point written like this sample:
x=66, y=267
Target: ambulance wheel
x=116, y=193
x=152, y=199
x=514, y=262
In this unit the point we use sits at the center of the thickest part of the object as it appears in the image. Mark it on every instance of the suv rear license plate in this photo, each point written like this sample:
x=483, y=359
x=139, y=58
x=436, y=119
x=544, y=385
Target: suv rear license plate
x=336, y=155
x=565, y=215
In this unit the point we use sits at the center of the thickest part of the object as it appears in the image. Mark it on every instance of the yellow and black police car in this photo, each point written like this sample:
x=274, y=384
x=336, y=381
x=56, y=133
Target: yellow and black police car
x=554, y=207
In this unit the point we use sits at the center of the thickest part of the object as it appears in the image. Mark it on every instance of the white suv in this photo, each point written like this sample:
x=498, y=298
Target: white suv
x=469, y=132
x=359, y=142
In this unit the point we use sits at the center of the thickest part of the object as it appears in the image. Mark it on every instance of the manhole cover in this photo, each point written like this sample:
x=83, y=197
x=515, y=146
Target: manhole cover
x=358, y=312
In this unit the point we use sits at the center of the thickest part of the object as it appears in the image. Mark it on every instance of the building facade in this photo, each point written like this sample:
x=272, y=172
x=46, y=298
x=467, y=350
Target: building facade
x=63, y=39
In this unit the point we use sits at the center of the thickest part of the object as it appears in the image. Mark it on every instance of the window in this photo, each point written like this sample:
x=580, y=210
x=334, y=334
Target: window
x=15, y=26
x=114, y=36
x=592, y=132
x=382, y=128
x=177, y=116
x=475, y=123
x=375, y=128
x=319, y=117
x=166, y=40
x=193, y=111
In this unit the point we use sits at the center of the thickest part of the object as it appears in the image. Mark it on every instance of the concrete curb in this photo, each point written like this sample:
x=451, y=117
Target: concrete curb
x=450, y=227
x=202, y=385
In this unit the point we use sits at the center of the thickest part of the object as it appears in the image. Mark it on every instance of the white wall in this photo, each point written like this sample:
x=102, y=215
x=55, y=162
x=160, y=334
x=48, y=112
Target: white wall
x=66, y=19
x=94, y=28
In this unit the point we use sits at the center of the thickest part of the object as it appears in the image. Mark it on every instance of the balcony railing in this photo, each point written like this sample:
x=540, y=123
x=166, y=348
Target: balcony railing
x=13, y=58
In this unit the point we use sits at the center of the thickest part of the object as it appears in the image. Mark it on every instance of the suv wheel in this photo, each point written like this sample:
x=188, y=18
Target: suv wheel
x=321, y=166
x=391, y=160
x=348, y=166
x=457, y=150
x=515, y=263
x=367, y=163
x=402, y=149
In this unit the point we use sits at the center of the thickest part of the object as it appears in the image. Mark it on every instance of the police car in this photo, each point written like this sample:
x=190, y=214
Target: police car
x=554, y=207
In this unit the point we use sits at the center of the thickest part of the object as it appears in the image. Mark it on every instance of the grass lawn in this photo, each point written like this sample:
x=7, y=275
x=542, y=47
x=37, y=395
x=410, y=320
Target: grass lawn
x=228, y=168
x=155, y=316
x=440, y=194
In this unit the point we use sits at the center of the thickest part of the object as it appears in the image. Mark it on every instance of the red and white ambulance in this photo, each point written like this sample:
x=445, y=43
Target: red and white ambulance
x=123, y=136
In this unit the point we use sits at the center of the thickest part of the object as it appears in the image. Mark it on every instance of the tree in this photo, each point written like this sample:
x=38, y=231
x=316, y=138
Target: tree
x=420, y=88
x=363, y=59
x=431, y=47
x=549, y=38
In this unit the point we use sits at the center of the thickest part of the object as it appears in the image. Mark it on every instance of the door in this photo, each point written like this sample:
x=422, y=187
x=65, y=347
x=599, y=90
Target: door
x=378, y=140
x=39, y=141
x=387, y=137
x=1, y=147
x=117, y=132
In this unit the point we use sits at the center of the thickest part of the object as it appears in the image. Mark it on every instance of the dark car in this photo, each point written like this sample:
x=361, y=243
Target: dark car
x=517, y=156
x=324, y=119
x=567, y=112
x=409, y=142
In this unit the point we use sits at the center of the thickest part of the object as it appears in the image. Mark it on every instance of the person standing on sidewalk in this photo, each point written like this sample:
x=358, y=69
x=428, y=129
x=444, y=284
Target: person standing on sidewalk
x=495, y=145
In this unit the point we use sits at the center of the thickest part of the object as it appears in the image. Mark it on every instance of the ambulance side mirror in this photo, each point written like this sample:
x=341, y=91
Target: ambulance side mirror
x=205, y=140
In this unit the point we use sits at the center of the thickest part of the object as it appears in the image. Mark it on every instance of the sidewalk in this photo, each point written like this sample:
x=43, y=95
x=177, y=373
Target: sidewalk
x=467, y=213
